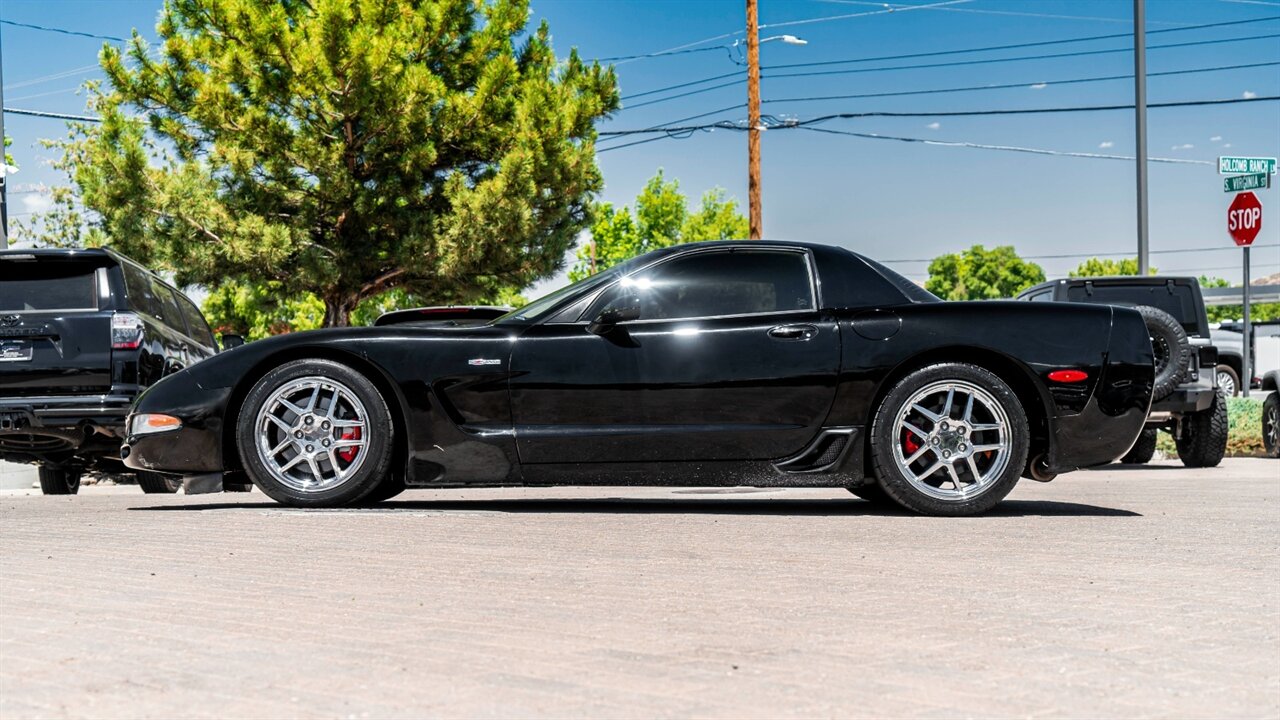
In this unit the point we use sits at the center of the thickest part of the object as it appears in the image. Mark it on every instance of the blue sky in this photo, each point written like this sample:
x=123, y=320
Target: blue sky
x=890, y=200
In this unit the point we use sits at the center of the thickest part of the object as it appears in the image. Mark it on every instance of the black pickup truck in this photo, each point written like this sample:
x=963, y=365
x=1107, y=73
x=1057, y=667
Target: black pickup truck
x=82, y=333
x=1187, y=401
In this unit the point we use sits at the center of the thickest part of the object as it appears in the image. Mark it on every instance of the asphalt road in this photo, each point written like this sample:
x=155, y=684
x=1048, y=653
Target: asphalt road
x=1123, y=593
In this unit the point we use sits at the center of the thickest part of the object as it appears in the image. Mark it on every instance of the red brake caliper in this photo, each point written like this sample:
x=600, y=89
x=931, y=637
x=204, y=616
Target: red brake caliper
x=349, y=453
x=909, y=443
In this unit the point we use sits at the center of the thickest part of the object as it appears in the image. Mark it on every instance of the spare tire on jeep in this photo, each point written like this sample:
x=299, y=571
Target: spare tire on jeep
x=1171, y=347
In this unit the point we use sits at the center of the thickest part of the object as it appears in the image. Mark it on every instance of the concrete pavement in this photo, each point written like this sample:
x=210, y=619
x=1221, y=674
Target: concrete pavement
x=1122, y=593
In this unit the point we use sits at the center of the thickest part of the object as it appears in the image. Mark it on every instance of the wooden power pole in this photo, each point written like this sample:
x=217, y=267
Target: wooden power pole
x=753, y=120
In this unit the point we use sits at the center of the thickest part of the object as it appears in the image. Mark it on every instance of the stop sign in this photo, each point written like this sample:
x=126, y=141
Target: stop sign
x=1244, y=218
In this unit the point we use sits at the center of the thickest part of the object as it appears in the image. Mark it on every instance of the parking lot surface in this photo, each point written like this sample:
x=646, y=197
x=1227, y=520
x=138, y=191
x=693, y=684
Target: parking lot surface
x=1125, y=592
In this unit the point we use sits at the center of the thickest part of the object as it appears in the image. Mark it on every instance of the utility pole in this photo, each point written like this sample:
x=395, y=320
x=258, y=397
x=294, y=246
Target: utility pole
x=753, y=120
x=1140, y=117
x=4, y=167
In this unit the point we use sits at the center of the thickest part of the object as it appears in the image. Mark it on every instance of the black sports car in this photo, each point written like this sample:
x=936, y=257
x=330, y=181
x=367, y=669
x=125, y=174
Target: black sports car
x=725, y=363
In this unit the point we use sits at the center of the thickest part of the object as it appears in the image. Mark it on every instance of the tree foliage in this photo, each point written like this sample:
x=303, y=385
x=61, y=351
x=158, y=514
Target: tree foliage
x=662, y=218
x=981, y=274
x=341, y=149
x=1103, y=267
x=1257, y=311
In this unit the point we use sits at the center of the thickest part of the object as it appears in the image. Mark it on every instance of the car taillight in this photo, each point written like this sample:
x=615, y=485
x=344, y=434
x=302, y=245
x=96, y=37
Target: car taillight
x=126, y=331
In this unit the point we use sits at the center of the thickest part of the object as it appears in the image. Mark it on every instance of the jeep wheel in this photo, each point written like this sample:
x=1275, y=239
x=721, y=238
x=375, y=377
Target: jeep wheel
x=1171, y=347
x=59, y=481
x=1271, y=424
x=153, y=482
x=1143, y=449
x=1203, y=439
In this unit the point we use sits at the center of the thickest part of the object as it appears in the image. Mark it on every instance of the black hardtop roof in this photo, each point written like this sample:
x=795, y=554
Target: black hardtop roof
x=1149, y=280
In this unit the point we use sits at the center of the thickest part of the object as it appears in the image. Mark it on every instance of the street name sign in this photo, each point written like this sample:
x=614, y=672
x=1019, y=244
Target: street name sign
x=1246, y=165
x=1239, y=183
x=1244, y=218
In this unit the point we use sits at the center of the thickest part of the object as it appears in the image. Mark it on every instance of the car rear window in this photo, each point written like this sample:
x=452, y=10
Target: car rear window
x=26, y=285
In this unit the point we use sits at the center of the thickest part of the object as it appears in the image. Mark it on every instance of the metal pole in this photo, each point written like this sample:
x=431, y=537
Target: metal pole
x=1246, y=367
x=4, y=179
x=1140, y=113
x=753, y=122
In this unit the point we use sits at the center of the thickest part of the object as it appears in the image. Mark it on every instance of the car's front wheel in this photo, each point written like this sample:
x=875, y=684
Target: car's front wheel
x=949, y=439
x=59, y=480
x=1144, y=448
x=315, y=433
x=1271, y=425
x=1228, y=380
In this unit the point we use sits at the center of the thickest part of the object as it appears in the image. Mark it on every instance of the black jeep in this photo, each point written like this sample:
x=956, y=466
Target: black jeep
x=1186, y=399
x=82, y=333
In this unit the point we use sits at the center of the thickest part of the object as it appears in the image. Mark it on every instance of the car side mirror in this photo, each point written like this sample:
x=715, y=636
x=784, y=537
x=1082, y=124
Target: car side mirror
x=609, y=318
x=231, y=341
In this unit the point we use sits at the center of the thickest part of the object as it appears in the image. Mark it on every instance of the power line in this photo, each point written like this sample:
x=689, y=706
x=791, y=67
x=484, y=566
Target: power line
x=1071, y=256
x=976, y=88
x=919, y=66
x=663, y=53
x=1006, y=148
x=62, y=31
x=724, y=125
x=53, y=76
x=52, y=115
x=1006, y=12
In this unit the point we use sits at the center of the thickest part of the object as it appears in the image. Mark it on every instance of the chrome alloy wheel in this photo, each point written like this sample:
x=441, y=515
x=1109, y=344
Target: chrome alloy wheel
x=312, y=433
x=952, y=441
x=1226, y=383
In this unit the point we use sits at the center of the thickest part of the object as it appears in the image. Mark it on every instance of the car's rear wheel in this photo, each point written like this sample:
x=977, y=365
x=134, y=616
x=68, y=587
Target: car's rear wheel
x=1228, y=380
x=1271, y=424
x=59, y=480
x=1143, y=449
x=949, y=439
x=315, y=433
x=152, y=482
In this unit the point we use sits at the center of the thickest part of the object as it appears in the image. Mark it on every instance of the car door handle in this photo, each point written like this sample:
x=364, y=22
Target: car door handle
x=793, y=332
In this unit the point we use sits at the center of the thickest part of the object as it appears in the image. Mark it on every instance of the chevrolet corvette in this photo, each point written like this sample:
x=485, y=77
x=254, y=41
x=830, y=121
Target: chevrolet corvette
x=773, y=364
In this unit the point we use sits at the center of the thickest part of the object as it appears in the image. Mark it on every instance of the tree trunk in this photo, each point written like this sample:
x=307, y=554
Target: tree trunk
x=337, y=311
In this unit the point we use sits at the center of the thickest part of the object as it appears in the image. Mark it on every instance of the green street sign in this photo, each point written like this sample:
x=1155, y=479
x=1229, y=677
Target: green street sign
x=1242, y=165
x=1240, y=183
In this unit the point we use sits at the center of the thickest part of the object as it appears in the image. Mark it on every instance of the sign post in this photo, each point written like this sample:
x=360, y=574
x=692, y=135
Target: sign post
x=1244, y=221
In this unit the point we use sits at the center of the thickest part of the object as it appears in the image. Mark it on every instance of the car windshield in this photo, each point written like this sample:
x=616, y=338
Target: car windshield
x=544, y=304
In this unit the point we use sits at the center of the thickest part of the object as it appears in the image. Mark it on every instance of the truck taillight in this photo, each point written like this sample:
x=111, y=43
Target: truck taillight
x=126, y=331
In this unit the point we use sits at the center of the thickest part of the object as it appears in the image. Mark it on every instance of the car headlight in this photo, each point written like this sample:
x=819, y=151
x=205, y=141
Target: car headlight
x=151, y=423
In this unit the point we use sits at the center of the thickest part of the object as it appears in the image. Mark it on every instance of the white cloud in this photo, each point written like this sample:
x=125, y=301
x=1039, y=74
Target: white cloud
x=1249, y=95
x=934, y=125
x=36, y=202
x=1184, y=146
x=1216, y=138
x=1106, y=144
x=1226, y=145
x=1039, y=86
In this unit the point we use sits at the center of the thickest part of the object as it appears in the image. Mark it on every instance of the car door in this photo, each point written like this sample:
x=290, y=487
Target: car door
x=730, y=359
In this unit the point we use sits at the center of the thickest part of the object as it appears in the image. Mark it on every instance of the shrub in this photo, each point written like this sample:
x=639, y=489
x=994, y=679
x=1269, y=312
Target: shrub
x=1244, y=439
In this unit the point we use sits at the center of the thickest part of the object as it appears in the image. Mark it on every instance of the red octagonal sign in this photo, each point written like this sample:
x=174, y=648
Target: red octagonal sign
x=1244, y=218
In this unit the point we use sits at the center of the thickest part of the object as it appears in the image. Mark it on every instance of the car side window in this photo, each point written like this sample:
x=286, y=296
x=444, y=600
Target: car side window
x=709, y=284
x=138, y=285
x=1043, y=296
x=199, y=329
x=170, y=313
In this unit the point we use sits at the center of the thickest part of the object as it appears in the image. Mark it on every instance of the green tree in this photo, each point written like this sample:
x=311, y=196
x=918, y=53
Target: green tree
x=1257, y=311
x=1100, y=267
x=662, y=218
x=981, y=274
x=341, y=148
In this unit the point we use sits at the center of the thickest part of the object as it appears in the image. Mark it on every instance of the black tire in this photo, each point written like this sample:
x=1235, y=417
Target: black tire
x=378, y=436
x=156, y=483
x=1171, y=347
x=872, y=493
x=1229, y=374
x=390, y=487
x=1203, y=440
x=884, y=432
x=59, y=481
x=1271, y=425
x=1144, y=448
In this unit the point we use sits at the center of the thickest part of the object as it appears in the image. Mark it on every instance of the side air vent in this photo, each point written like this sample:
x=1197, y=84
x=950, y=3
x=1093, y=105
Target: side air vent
x=823, y=454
